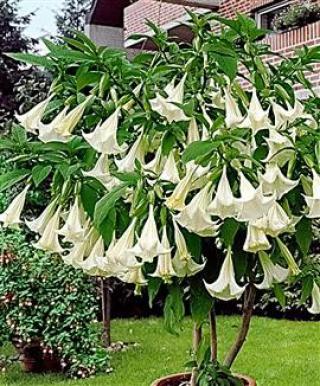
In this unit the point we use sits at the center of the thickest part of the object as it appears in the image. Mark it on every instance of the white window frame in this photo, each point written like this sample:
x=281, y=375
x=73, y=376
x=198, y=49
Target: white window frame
x=267, y=9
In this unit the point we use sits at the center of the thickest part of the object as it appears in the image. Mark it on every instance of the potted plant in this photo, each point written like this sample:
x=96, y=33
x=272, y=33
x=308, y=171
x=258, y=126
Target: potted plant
x=193, y=167
x=41, y=313
x=297, y=15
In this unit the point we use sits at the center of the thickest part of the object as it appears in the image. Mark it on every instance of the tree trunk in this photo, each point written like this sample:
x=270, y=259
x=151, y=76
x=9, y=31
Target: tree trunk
x=248, y=304
x=196, y=338
x=106, y=312
x=213, y=334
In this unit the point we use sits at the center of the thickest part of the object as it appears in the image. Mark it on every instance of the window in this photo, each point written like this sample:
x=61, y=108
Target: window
x=265, y=16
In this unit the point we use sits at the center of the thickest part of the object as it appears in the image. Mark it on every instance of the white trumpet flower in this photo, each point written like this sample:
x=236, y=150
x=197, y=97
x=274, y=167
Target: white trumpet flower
x=133, y=275
x=39, y=224
x=11, y=216
x=48, y=132
x=281, y=149
x=256, y=240
x=273, y=273
x=166, y=106
x=217, y=99
x=233, y=113
x=165, y=268
x=136, y=152
x=224, y=204
x=284, y=116
x=49, y=240
x=183, y=263
x=136, y=91
x=315, y=308
x=149, y=245
x=31, y=119
x=178, y=197
x=257, y=118
x=193, y=131
x=170, y=171
x=313, y=202
x=74, y=230
x=195, y=217
x=274, y=182
x=252, y=203
x=68, y=123
x=91, y=265
x=275, y=222
x=226, y=287
x=76, y=255
x=104, y=138
x=119, y=250
x=155, y=165
x=101, y=173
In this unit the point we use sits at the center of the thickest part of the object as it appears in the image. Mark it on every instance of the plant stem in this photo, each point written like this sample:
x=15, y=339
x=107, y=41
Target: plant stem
x=196, y=340
x=106, y=311
x=213, y=334
x=248, y=304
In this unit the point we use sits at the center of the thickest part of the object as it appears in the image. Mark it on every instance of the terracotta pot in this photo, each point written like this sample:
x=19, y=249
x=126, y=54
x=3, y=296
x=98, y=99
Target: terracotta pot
x=177, y=379
x=35, y=361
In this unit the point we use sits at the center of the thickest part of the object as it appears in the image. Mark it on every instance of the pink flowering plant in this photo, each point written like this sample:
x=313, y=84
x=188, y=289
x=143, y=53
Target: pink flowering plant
x=195, y=166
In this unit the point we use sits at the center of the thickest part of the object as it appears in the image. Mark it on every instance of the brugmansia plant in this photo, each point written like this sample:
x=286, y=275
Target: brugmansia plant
x=194, y=166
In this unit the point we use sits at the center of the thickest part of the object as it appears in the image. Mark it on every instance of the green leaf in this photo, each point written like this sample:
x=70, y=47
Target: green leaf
x=168, y=143
x=11, y=178
x=200, y=302
x=229, y=230
x=129, y=177
x=154, y=285
x=197, y=149
x=304, y=235
x=307, y=286
x=35, y=60
x=280, y=295
x=228, y=65
x=107, y=226
x=87, y=78
x=174, y=310
x=40, y=173
x=107, y=202
x=19, y=135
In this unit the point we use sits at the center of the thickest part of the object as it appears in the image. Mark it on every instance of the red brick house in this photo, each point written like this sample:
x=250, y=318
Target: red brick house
x=111, y=22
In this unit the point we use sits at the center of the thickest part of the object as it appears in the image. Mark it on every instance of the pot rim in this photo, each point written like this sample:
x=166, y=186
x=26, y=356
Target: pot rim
x=250, y=380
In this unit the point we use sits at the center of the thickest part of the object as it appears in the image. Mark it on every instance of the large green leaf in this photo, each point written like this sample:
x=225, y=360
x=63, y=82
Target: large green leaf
x=107, y=202
x=11, y=178
x=304, y=235
x=200, y=302
x=229, y=230
x=40, y=173
x=197, y=149
x=174, y=309
x=35, y=60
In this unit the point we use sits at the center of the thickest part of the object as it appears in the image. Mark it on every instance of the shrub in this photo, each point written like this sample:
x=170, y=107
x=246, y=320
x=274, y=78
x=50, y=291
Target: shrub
x=40, y=301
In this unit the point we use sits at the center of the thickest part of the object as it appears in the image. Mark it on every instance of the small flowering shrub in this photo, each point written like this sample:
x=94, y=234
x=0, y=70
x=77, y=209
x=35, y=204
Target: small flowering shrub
x=40, y=303
x=193, y=166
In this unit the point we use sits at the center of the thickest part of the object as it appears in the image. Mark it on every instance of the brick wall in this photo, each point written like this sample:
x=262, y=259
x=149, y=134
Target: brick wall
x=285, y=43
x=158, y=12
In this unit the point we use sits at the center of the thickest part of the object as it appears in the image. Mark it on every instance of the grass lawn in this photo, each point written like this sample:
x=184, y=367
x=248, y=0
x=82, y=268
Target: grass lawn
x=277, y=353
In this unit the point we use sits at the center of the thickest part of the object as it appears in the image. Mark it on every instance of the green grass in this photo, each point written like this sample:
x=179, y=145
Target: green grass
x=277, y=353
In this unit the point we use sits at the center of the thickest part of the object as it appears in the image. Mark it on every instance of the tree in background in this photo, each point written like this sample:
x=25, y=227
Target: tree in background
x=72, y=16
x=12, y=39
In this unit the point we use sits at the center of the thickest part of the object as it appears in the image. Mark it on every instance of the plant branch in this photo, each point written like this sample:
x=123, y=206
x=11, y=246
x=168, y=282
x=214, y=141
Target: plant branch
x=213, y=334
x=106, y=311
x=248, y=304
x=196, y=340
